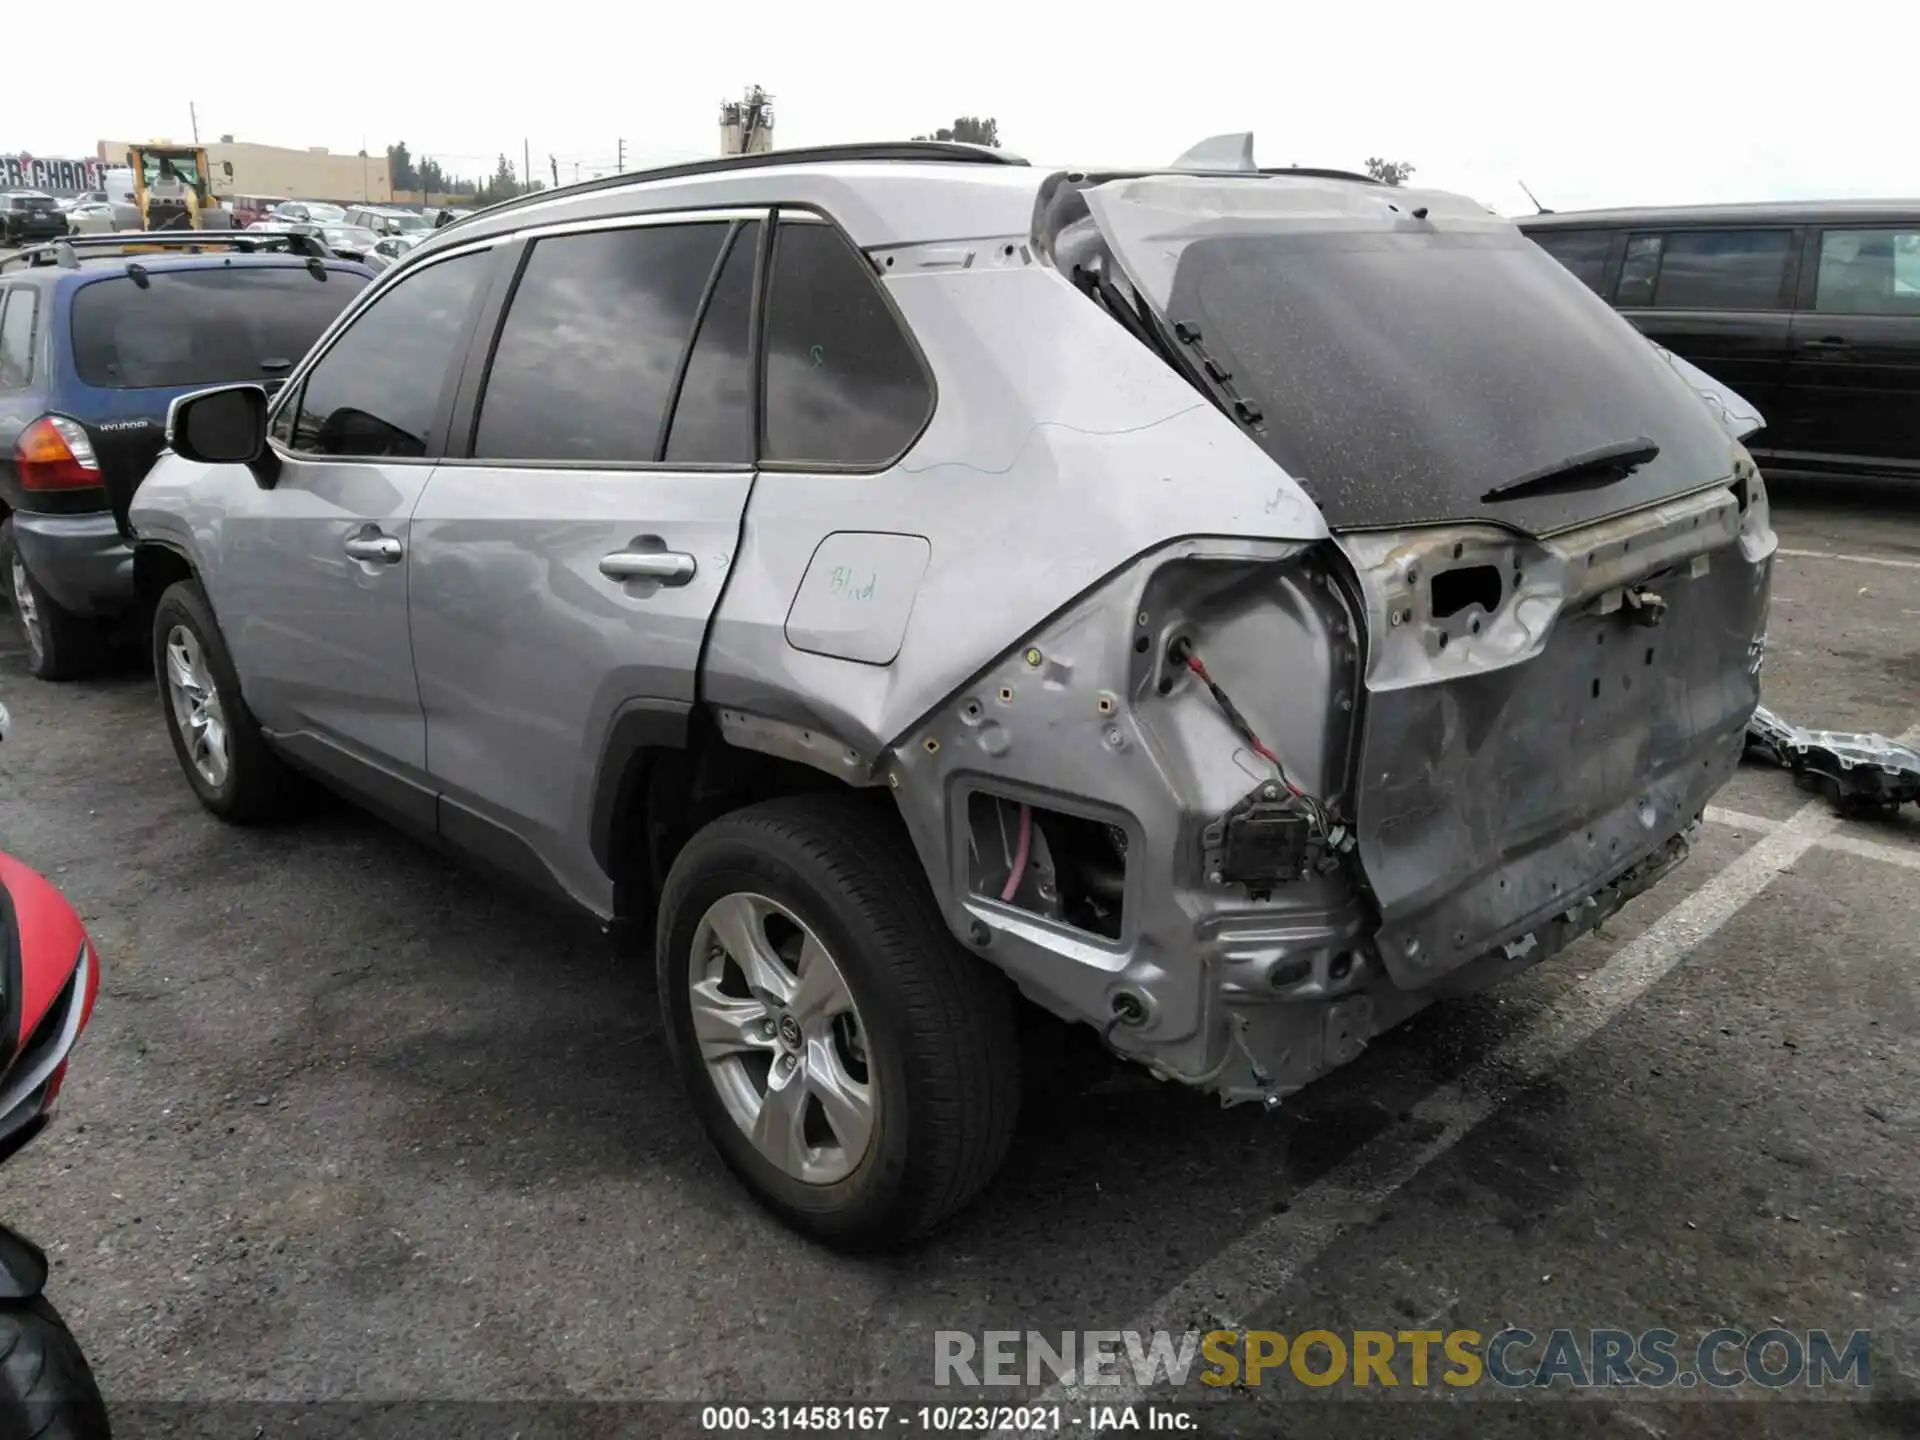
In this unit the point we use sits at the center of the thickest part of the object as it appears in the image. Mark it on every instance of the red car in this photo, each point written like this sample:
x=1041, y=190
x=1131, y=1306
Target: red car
x=49, y=977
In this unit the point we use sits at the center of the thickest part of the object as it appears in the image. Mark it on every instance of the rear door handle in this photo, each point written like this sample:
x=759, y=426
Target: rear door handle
x=375, y=549
x=1827, y=342
x=669, y=567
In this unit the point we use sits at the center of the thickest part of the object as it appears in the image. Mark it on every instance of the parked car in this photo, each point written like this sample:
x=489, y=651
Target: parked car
x=91, y=355
x=93, y=217
x=1225, y=610
x=249, y=208
x=1810, y=310
x=308, y=212
x=351, y=241
x=29, y=215
x=387, y=220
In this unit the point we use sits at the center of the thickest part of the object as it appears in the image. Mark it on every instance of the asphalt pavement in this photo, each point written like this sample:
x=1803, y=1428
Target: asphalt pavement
x=353, y=1124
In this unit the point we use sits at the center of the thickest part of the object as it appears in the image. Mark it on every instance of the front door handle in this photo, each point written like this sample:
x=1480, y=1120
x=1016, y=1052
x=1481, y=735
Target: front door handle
x=1826, y=342
x=669, y=567
x=375, y=549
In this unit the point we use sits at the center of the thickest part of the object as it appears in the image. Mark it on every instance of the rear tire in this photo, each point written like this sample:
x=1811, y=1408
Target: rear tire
x=60, y=644
x=217, y=740
x=47, y=1390
x=927, y=1034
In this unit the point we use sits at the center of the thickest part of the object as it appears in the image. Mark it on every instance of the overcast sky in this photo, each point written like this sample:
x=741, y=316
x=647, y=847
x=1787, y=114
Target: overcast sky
x=1618, y=103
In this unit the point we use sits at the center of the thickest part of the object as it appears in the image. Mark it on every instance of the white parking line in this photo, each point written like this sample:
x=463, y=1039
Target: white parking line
x=1257, y=1267
x=1849, y=559
x=1740, y=820
x=1873, y=850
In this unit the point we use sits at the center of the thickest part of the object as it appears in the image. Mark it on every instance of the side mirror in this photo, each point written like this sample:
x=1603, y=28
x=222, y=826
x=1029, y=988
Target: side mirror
x=227, y=426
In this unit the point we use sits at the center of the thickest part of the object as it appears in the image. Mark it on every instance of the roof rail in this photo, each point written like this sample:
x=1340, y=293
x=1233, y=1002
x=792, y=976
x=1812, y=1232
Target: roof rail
x=1316, y=172
x=68, y=253
x=898, y=151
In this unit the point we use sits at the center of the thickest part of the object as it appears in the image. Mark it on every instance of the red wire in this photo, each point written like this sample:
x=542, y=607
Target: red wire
x=1259, y=746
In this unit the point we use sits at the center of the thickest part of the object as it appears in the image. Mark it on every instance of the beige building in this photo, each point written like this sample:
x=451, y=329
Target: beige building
x=316, y=174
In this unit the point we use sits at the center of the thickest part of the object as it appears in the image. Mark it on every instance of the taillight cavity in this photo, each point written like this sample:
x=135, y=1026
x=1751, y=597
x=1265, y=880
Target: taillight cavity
x=55, y=453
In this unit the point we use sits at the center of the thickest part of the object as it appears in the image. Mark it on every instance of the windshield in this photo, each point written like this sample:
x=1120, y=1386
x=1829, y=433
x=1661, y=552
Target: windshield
x=323, y=214
x=1404, y=367
x=349, y=237
x=205, y=326
x=407, y=220
x=163, y=169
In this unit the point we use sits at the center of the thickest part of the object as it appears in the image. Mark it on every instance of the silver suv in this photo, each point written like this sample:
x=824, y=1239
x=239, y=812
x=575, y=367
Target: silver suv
x=1222, y=610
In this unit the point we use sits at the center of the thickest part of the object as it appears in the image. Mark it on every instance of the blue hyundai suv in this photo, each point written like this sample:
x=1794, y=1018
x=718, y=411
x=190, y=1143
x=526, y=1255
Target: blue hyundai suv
x=97, y=337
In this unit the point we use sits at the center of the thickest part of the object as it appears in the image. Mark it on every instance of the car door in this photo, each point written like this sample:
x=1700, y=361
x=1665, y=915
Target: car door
x=1721, y=299
x=1854, y=373
x=565, y=566
x=312, y=578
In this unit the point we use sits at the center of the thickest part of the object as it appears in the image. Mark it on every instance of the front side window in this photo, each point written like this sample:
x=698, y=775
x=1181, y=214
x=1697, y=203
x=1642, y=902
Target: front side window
x=844, y=386
x=1723, y=270
x=1584, y=252
x=16, y=337
x=585, y=363
x=1869, y=272
x=377, y=389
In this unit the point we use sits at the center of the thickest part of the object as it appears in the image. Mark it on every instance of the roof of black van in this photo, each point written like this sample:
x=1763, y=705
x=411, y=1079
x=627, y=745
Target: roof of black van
x=1793, y=212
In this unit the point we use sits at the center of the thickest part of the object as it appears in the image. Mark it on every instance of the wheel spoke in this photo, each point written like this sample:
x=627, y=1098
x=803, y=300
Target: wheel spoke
x=822, y=992
x=726, y=1024
x=739, y=923
x=180, y=669
x=779, y=1129
x=847, y=1103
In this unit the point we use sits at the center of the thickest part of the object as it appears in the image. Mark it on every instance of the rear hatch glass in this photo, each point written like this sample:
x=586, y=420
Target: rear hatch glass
x=184, y=330
x=1404, y=366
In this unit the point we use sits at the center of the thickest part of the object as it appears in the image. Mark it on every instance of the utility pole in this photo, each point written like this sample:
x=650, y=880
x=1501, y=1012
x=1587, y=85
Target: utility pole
x=621, y=164
x=554, y=166
x=194, y=116
x=526, y=164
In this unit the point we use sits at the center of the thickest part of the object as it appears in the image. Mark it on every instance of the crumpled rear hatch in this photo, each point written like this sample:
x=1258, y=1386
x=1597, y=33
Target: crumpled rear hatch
x=1562, y=552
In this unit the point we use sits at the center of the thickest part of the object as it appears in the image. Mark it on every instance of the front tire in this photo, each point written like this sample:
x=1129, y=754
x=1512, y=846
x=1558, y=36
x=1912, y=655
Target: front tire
x=218, y=742
x=852, y=1063
x=60, y=644
x=47, y=1390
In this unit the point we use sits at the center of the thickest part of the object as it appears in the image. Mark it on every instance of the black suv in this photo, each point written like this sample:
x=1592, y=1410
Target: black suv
x=27, y=215
x=97, y=338
x=1810, y=310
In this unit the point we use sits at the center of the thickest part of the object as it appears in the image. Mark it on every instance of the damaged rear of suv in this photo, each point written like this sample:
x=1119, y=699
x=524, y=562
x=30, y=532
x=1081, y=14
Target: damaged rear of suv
x=1236, y=608
x=1429, y=749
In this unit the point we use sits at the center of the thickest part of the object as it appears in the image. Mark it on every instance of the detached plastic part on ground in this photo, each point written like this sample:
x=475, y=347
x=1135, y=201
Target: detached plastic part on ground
x=1856, y=771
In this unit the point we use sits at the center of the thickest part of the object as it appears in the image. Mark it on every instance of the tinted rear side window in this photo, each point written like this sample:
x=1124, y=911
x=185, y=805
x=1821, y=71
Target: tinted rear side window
x=1723, y=270
x=1584, y=252
x=844, y=386
x=16, y=337
x=203, y=327
x=713, y=421
x=586, y=360
x=1869, y=272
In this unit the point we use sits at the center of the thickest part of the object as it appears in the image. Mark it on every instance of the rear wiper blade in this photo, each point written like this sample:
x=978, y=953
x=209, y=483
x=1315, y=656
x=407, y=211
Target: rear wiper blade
x=1588, y=470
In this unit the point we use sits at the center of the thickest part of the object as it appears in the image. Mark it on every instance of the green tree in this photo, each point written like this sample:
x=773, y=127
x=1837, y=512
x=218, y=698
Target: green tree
x=400, y=166
x=969, y=130
x=1389, y=172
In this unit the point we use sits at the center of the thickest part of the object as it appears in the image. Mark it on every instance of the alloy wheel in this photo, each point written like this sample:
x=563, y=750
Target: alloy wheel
x=197, y=708
x=782, y=1038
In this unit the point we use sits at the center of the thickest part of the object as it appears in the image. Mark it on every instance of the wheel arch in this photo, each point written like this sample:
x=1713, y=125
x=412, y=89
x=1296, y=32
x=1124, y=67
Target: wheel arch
x=665, y=770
